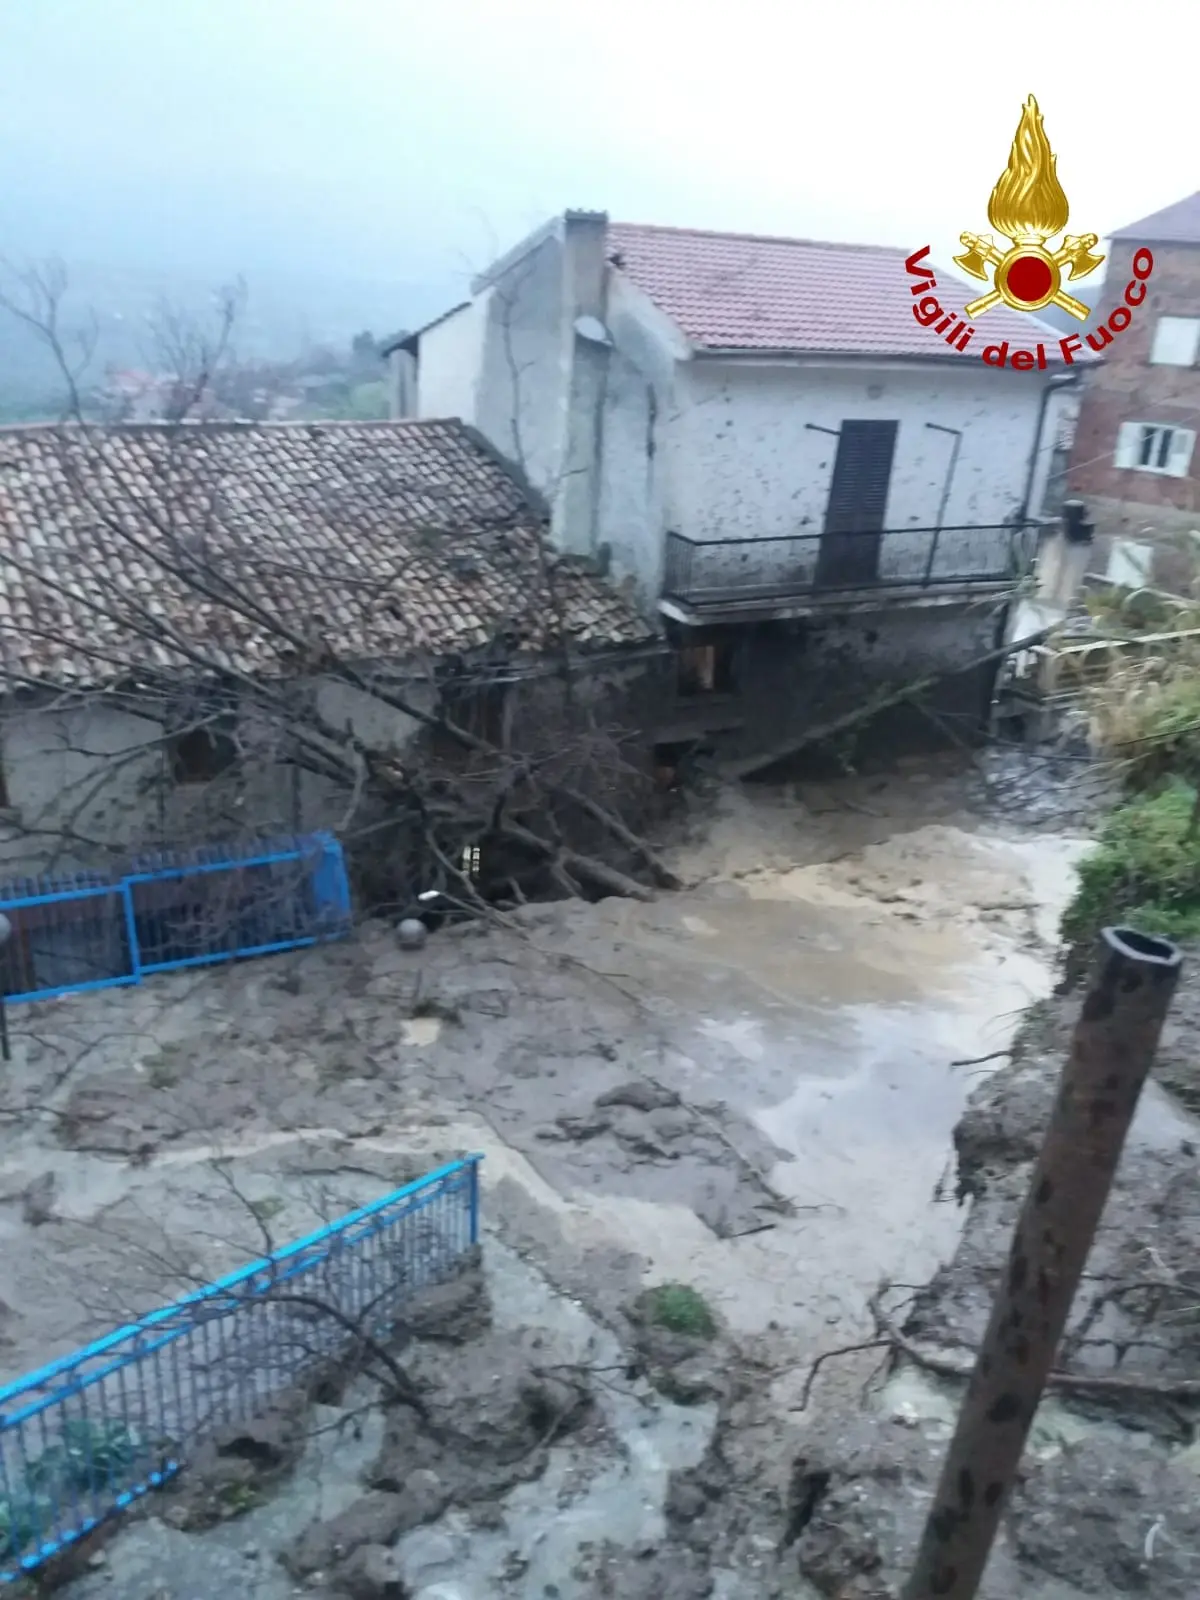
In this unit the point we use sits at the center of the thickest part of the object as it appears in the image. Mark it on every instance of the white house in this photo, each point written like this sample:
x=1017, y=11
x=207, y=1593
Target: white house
x=758, y=436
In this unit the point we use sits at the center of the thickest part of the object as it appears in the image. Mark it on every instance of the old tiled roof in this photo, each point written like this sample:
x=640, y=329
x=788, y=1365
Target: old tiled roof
x=362, y=540
x=736, y=291
x=1175, y=224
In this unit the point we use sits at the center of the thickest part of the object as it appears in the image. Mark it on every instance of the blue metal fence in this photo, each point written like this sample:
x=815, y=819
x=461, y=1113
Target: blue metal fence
x=89, y=1435
x=183, y=909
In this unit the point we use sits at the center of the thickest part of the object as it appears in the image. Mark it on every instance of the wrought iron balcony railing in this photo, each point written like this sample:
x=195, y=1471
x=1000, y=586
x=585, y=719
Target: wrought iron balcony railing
x=716, y=572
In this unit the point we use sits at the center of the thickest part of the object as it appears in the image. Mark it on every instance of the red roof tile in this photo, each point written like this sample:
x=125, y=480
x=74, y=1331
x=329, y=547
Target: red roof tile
x=378, y=541
x=736, y=291
x=1176, y=224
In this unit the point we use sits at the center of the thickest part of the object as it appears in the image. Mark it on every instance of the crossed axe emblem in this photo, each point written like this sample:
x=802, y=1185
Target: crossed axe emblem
x=1076, y=255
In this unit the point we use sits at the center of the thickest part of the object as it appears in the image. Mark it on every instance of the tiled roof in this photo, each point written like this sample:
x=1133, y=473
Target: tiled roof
x=372, y=541
x=736, y=291
x=1176, y=224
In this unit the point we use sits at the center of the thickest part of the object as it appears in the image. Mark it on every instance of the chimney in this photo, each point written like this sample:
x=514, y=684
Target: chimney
x=401, y=380
x=586, y=347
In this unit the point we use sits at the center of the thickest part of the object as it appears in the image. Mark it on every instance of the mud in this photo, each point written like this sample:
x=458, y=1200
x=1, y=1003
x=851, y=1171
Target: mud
x=1106, y=1503
x=746, y=1087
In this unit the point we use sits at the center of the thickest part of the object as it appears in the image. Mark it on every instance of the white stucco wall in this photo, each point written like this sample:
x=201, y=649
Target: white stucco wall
x=98, y=772
x=525, y=366
x=450, y=362
x=91, y=769
x=753, y=468
x=638, y=428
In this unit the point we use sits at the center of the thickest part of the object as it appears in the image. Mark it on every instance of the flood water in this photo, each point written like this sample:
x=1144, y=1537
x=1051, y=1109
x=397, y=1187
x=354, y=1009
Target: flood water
x=836, y=974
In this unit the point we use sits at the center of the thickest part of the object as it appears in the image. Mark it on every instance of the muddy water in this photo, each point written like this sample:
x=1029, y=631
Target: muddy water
x=842, y=1004
x=837, y=952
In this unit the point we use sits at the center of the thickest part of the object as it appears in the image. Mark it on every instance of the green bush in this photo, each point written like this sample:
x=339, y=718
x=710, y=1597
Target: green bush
x=679, y=1309
x=1143, y=872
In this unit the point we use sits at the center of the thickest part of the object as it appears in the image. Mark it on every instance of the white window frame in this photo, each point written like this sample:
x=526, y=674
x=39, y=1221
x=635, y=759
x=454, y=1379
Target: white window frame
x=1158, y=447
x=1176, y=342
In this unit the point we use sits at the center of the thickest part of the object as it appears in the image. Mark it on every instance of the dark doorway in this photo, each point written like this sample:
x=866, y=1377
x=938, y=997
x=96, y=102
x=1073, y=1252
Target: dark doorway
x=857, y=505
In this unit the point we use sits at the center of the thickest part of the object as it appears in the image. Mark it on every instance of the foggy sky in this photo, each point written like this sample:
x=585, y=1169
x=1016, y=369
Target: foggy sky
x=406, y=145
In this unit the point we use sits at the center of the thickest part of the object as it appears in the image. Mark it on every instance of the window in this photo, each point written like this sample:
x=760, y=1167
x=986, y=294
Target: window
x=705, y=669
x=202, y=753
x=1176, y=342
x=483, y=712
x=1155, y=447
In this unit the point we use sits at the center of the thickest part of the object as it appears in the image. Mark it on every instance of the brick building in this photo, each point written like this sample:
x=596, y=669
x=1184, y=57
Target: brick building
x=1134, y=459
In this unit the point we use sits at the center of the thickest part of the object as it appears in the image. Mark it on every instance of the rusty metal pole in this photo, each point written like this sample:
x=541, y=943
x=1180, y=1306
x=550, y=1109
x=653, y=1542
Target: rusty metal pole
x=1111, y=1053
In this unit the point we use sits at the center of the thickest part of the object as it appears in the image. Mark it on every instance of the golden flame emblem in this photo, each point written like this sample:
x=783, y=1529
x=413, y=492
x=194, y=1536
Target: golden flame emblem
x=1029, y=208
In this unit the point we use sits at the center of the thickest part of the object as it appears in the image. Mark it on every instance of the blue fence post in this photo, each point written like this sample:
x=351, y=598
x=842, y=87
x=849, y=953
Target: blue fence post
x=474, y=1206
x=135, y=954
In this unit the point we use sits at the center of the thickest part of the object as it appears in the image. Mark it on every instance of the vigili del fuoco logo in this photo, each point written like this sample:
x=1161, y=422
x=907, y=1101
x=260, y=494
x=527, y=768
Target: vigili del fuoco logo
x=1029, y=209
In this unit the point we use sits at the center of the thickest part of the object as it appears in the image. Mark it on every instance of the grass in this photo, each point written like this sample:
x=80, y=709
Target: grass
x=1144, y=870
x=680, y=1309
x=162, y=1068
x=1145, y=715
x=1133, y=611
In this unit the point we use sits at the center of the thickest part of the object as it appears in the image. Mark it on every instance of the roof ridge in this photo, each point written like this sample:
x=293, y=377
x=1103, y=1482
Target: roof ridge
x=160, y=424
x=756, y=238
x=1130, y=229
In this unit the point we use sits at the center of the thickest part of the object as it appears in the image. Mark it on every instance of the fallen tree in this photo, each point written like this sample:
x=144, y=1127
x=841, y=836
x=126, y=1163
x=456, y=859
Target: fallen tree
x=560, y=807
x=908, y=693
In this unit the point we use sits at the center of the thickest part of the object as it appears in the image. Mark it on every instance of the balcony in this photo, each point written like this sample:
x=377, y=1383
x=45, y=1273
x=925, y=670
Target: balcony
x=801, y=572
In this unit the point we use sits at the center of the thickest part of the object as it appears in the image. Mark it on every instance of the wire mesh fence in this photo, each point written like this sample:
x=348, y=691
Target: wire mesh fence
x=88, y=1435
x=185, y=909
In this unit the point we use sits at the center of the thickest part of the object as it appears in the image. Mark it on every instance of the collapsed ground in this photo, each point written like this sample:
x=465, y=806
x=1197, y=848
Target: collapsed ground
x=745, y=1088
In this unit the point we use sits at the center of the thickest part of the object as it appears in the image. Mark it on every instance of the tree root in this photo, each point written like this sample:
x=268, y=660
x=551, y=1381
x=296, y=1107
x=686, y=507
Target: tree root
x=946, y=1364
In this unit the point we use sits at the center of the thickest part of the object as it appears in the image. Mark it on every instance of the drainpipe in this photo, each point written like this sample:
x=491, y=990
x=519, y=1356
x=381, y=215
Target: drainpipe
x=1060, y=381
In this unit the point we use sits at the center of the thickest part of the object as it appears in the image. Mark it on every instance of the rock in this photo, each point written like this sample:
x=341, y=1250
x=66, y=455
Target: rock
x=454, y=1312
x=581, y=1128
x=268, y=1442
x=856, y=1506
x=430, y=1555
x=379, y=1518
x=645, y=1573
x=498, y=1405
x=638, y=1095
x=1004, y=1123
x=37, y=1200
x=371, y=1574
x=1086, y=1517
x=699, y=1379
x=685, y=1500
x=636, y=1133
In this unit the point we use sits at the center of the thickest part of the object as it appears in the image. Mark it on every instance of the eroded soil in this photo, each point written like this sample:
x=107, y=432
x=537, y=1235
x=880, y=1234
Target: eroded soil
x=747, y=1087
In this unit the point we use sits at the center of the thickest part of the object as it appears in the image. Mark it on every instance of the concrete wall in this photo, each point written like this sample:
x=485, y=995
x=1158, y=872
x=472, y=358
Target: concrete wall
x=450, y=364
x=638, y=437
x=92, y=780
x=94, y=770
x=1124, y=501
x=523, y=369
x=792, y=677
